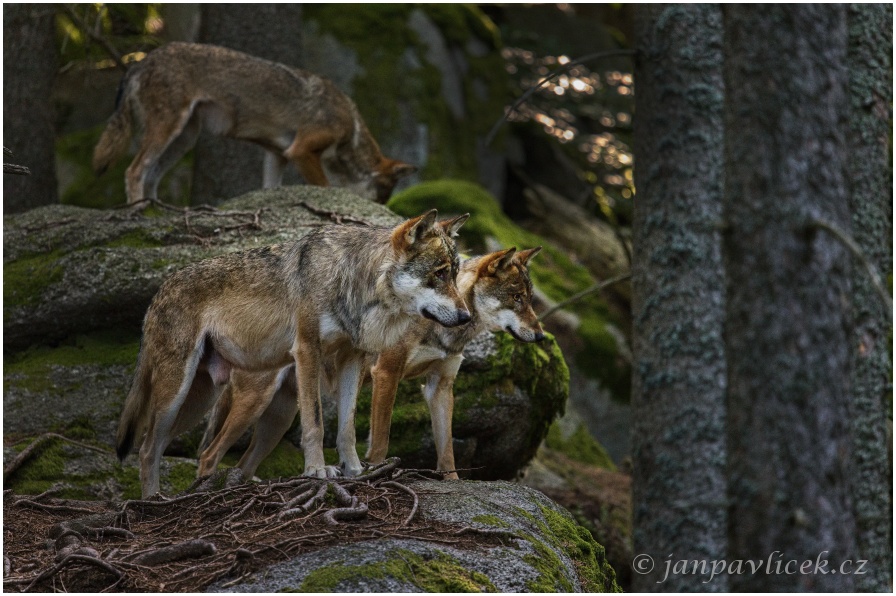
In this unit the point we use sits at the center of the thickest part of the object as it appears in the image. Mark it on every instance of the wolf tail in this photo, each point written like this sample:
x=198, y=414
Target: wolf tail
x=116, y=138
x=135, y=407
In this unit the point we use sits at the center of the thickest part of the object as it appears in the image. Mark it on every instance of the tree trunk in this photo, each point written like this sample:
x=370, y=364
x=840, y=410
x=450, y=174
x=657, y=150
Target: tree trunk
x=678, y=297
x=788, y=296
x=871, y=204
x=29, y=68
x=226, y=168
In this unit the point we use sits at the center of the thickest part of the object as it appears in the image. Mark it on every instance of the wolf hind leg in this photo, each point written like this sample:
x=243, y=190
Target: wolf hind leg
x=249, y=395
x=171, y=386
x=271, y=426
x=272, y=171
x=175, y=150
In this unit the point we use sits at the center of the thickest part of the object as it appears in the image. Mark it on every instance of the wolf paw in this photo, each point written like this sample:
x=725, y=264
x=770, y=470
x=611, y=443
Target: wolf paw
x=323, y=472
x=352, y=469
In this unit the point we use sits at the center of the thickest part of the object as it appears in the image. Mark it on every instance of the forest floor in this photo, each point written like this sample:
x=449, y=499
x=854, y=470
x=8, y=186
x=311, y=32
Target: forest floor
x=223, y=531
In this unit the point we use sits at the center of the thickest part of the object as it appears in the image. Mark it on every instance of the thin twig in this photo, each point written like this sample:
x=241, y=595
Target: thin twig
x=578, y=296
x=335, y=217
x=80, y=24
x=529, y=92
x=406, y=489
x=847, y=241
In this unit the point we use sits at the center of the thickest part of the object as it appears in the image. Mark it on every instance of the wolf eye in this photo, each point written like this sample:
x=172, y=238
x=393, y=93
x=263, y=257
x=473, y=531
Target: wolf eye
x=518, y=298
x=442, y=274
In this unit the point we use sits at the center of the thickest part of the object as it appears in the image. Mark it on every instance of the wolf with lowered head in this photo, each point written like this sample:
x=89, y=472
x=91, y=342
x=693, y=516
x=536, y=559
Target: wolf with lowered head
x=180, y=89
x=335, y=295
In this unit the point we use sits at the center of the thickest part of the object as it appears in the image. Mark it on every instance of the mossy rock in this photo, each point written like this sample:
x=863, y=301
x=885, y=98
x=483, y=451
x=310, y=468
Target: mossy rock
x=429, y=79
x=553, y=272
x=545, y=551
x=69, y=270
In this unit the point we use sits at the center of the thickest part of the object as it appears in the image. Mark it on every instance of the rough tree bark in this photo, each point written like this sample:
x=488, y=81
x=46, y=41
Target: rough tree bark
x=788, y=295
x=226, y=168
x=29, y=69
x=679, y=372
x=871, y=203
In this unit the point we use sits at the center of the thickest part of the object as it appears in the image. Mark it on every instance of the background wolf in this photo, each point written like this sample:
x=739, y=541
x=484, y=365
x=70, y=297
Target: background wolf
x=181, y=88
x=497, y=290
x=334, y=294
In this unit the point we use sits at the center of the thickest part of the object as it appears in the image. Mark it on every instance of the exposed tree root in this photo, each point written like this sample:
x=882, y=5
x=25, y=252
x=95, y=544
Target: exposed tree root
x=191, y=541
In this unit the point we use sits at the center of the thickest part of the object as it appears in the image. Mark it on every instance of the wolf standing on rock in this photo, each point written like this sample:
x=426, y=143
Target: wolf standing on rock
x=335, y=295
x=182, y=88
x=498, y=292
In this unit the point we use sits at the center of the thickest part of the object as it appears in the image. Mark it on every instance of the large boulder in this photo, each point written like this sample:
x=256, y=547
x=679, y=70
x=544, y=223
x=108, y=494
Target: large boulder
x=76, y=286
x=550, y=552
x=390, y=532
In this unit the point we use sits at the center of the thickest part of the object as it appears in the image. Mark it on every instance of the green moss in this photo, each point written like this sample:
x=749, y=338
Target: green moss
x=553, y=272
x=285, y=461
x=74, y=153
x=580, y=446
x=49, y=466
x=491, y=520
x=181, y=476
x=381, y=38
x=589, y=557
x=441, y=573
x=135, y=239
x=32, y=368
x=25, y=279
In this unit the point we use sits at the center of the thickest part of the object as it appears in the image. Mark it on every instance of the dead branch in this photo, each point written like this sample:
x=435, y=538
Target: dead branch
x=854, y=249
x=579, y=295
x=191, y=549
x=413, y=494
x=338, y=218
x=88, y=30
x=564, y=68
x=26, y=453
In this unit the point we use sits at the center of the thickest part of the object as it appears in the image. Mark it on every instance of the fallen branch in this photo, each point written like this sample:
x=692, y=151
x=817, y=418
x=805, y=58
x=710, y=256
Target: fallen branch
x=191, y=549
x=336, y=217
x=26, y=453
x=413, y=494
x=579, y=295
x=851, y=245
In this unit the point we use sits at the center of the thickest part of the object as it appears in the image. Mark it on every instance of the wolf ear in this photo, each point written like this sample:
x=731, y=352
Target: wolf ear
x=492, y=262
x=411, y=231
x=394, y=169
x=451, y=226
x=524, y=255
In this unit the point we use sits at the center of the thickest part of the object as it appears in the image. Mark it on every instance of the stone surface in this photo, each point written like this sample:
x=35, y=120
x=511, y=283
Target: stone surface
x=548, y=551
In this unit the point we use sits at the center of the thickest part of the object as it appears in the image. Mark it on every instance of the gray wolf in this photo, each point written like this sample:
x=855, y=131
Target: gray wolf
x=297, y=116
x=497, y=290
x=332, y=296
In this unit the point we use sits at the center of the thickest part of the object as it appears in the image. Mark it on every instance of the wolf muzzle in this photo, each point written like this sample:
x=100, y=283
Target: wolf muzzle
x=461, y=317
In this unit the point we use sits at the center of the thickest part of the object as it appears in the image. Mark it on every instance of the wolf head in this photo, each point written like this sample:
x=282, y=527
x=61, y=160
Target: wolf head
x=376, y=185
x=425, y=281
x=503, y=293
x=387, y=175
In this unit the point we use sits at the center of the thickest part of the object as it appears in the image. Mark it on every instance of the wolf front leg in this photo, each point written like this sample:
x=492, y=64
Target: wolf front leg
x=308, y=359
x=348, y=380
x=386, y=373
x=439, y=395
x=306, y=151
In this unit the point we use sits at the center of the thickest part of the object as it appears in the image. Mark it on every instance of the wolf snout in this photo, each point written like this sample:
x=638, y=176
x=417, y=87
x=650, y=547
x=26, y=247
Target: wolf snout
x=447, y=318
x=539, y=336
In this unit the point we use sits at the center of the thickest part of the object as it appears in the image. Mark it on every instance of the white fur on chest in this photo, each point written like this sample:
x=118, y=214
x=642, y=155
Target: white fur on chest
x=382, y=327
